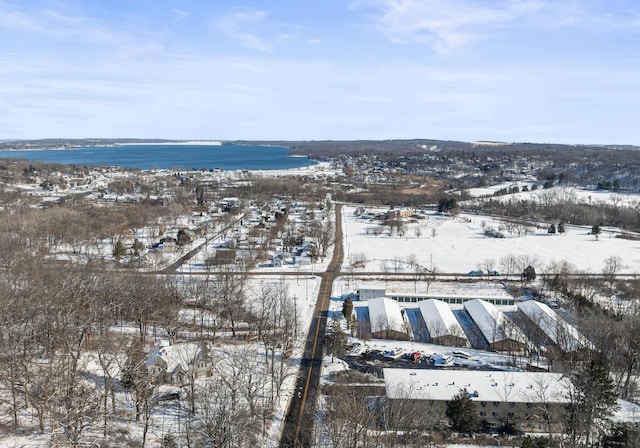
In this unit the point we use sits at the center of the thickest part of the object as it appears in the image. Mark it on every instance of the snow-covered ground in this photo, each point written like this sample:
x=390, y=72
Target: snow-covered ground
x=458, y=245
x=447, y=244
x=577, y=194
x=321, y=169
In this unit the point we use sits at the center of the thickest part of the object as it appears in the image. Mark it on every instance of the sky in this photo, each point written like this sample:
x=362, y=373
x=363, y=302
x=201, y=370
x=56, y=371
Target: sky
x=561, y=71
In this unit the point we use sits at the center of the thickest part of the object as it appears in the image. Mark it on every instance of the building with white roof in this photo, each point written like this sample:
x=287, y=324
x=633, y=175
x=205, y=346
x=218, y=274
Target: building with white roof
x=387, y=320
x=500, y=332
x=520, y=398
x=176, y=363
x=443, y=326
x=370, y=293
x=451, y=299
x=566, y=337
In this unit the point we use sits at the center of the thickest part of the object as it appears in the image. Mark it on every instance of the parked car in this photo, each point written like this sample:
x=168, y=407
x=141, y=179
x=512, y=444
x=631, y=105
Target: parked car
x=475, y=273
x=394, y=354
x=461, y=354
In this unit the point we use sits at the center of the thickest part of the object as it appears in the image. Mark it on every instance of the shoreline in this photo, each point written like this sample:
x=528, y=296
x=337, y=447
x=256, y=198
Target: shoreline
x=179, y=143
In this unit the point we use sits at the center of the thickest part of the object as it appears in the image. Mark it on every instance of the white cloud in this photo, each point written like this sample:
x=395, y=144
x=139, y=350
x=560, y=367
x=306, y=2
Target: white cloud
x=449, y=24
x=64, y=26
x=236, y=24
x=265, y=35
x=179, y=15
x=14, y=19
x=444, y=24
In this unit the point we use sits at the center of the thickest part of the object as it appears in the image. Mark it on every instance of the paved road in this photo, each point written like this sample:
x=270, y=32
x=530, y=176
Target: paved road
x=297, y=430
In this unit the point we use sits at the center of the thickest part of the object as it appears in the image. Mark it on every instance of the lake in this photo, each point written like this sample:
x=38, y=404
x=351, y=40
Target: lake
x=182, y=156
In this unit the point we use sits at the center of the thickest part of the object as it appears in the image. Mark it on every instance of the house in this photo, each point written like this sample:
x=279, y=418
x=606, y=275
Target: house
x=522, y=399
x=367, y=294
x=277, y=260
x=222, y=257
x=228, y=203
x=174, y=364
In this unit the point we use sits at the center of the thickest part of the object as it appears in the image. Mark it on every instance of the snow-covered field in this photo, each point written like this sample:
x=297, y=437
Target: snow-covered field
x=576, y=194
x=458, y=245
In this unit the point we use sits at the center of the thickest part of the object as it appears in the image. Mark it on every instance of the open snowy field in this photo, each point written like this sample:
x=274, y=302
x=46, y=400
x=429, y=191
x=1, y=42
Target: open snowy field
x=345, y=285
x=458, y=245
x=576, y=194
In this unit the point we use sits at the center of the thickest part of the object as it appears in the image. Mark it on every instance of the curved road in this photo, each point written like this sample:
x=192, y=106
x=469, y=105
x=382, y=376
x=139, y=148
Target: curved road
x=297, y=430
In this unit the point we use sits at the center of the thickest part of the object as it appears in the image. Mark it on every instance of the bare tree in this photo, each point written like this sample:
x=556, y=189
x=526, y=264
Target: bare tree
x=612, y=266
x=540, y=394
x=488, y=264
x=347, y=420
x=228, y=289
x=225, y=418
x=324, y=235
x=509, y=264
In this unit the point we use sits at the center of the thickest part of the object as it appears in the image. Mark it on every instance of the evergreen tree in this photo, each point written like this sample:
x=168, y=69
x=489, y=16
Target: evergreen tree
x=529, y=274
x=119, y=250
x=561, y=227
x=538, y=442
x=552, y=229
x=446, y=205
x=137, y=247
x=183, y=237
x=592, y=400
x=595, y=230
x=461, y=412
x=336, y=341
x=347, y=308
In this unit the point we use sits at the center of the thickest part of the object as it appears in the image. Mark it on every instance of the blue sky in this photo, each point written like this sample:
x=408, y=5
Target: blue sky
x=565, y=71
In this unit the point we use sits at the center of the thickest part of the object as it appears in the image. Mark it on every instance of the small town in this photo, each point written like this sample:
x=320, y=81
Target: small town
x=177, y=306
x=336, y=224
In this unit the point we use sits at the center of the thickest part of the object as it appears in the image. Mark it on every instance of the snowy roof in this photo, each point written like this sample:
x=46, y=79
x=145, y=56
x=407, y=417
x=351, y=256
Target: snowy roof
x=492, y=322
x=556, y=328
x=626, y=412
x=439, y=319
x=183, y=355
x=519, y=387
x=385, y=314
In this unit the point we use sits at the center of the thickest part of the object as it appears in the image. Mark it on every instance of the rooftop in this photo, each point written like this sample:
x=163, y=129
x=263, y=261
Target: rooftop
x=442, y=385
